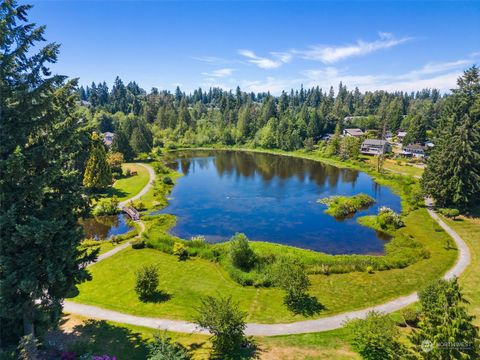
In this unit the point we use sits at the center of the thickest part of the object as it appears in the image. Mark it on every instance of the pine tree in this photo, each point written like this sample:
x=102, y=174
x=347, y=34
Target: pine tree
x=40, y=194
x=445, y=323
x=452, y=176
x=121, y=144
x=417, y=131
x=98, y=174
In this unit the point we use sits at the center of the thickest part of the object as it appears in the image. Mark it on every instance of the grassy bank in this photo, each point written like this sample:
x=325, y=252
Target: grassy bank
x=185, y=282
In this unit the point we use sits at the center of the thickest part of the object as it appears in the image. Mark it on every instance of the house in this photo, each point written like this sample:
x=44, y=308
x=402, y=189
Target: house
x=108, y=138
x=415, y=150
x=375, y=147
x=353, y=132
x=401, y=135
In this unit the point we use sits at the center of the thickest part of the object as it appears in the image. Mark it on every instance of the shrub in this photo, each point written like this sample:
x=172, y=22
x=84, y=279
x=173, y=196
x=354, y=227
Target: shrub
x=241, y=255
x=180, y=250
x=107, y=206
x=376, y=337
x=388, y=219
x=450, y=213
x=223, y=319
x=410, y=317
x=138, y=244
x=167, y=180
x=342, y=206
x=146, y=282
x=370, y=269
x=163, y=348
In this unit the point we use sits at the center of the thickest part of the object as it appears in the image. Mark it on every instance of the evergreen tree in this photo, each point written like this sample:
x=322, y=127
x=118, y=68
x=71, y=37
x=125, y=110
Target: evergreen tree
x=98, y=174
x=333, y=147
x=141, y=139
x=417, y=131
x=452, y=176
x=121, y=144
x=445, y=323
x=40, y=194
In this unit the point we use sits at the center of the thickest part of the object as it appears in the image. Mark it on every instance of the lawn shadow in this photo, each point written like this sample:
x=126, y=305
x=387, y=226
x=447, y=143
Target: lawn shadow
x=156, y=297
x=97, y=337
x=306, y=305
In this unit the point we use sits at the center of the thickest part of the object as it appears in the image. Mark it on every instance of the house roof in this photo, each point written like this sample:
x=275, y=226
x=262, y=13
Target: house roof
x=354, y=132
x=374, y=142
x=108, y=133
x=402, y=133
x=414, y=147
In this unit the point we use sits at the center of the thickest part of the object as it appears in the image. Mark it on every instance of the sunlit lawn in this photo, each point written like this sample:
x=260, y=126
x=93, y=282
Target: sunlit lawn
x=186, y=282
x=126, y=187
x=469, y=230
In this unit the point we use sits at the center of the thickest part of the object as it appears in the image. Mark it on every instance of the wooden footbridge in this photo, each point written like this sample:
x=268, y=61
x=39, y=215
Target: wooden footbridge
x=132, y=212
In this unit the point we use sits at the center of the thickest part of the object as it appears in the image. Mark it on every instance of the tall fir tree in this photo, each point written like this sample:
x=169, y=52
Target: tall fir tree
x=40, y=192
x=98, y=174
x=445, y=323
x=452, y=176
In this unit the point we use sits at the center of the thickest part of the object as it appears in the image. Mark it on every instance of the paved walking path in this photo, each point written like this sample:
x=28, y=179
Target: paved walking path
x=300, y=327
x=144, y=190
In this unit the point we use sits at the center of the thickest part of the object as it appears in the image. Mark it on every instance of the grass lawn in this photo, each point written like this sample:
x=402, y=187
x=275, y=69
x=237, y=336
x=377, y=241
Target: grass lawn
x=390, y=164
x=469, y=230
x=185, y=282
x=130, y=342
x=127, y=187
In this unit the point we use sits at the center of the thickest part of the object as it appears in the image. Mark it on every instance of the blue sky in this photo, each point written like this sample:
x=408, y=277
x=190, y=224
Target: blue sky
x=264, y=46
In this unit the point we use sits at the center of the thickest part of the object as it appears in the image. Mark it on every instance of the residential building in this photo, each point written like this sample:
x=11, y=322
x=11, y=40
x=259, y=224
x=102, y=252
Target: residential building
x=375, y=147
x=353, y=132
x=108, y=138
x=415, y=150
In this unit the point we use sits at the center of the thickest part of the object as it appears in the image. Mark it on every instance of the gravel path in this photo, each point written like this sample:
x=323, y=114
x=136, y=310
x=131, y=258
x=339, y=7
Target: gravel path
x=300, y=327
x=145, y=189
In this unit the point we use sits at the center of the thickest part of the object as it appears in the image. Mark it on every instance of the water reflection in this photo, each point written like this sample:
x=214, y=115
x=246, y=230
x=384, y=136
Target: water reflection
x=272, y=198
x=103, y=227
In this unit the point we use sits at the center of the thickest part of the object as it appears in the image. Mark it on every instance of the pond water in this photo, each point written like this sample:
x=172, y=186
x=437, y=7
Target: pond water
x=104, y=227
x=272, y=198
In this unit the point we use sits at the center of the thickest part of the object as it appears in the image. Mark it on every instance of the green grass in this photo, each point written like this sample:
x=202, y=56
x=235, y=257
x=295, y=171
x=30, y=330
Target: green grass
x=402, y=168
x=342, y=206
x=98, y=337
x=128, y=187
x=185, y=282
x=469, y=230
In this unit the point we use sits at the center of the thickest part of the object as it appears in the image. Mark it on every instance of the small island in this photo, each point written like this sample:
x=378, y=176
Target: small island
x=343, y=206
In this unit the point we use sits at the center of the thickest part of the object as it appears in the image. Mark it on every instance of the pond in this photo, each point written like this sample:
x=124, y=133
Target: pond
x=104, y=227
x=272, y=198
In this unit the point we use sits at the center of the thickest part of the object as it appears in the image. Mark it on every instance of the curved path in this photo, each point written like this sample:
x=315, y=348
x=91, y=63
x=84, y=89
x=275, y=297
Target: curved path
x=300, y=327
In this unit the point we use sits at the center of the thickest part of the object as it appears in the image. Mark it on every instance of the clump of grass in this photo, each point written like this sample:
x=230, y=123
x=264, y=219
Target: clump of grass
x=342, y=206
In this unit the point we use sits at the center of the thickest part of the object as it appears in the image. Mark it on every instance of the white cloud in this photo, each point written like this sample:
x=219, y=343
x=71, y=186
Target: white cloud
x=209, y=59
x=219, y=73
x=441, y=76
x=330, y=54
x=279, y=58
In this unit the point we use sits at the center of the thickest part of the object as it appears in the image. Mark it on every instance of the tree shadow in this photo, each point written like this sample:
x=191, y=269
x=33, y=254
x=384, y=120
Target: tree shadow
x=306, y=305
x=97, y=337
x=157, y=297
x=249, y=350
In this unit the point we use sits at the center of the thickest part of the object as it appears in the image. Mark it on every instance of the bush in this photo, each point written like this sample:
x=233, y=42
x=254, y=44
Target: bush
x=376, y=337
x=167, y=180
x=388, y=219
x=241, y=255
x=223, y=319
x=146, y=282
x=342, y=206
x=138, y=244
x=370, y=269
x=163, y=348
x=410, y=317
x=107, y=206
x=450, y=213
x=180, y=250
